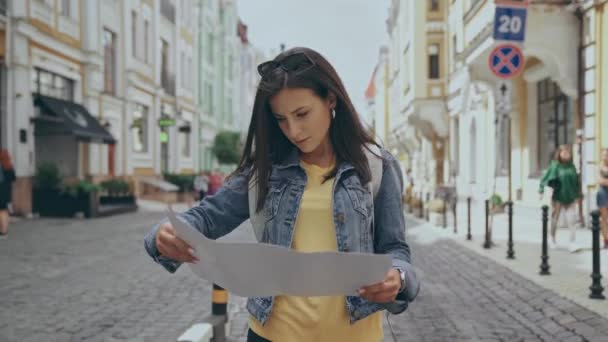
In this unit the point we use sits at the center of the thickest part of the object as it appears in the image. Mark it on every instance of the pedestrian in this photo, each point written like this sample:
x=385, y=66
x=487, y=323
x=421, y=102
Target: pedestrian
x=7, y=176
x=563, y=178
x=602, y=195
x=201, y=185
x=307, y=149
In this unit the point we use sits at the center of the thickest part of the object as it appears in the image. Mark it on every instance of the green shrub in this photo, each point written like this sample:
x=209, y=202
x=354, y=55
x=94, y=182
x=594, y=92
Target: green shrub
x=183, y=182
x=496, y=200
x=116, y=187
x=81, y=187
x=47, y=177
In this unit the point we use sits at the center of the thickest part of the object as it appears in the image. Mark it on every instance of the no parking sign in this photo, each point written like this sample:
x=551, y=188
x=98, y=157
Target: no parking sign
x=506, y=61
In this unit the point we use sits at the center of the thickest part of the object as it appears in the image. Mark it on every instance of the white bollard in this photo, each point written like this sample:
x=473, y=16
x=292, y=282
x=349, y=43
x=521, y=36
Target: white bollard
x=200, y=332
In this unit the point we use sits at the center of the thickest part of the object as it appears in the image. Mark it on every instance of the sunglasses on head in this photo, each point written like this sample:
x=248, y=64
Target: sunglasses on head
x=295, y=63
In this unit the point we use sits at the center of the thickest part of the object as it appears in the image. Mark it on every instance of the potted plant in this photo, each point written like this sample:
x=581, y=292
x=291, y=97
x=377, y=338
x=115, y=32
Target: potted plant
x=497, y=205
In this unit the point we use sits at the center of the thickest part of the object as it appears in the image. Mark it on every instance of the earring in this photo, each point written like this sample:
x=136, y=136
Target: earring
x=333, y=113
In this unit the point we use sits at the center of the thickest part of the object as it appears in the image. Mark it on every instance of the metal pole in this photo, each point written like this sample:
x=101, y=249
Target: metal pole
x=487, y=243
x=454, y=209
x=445, y=214
x=596, y=276
x=469, y=236
x=510, y=251
x=544, y=266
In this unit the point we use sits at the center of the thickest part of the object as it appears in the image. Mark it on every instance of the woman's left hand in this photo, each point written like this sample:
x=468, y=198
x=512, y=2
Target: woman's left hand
x=384, y=292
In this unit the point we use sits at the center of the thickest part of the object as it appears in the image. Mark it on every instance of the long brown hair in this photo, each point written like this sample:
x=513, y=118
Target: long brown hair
x=558, y=153
x=266, y=144
x=5, y=160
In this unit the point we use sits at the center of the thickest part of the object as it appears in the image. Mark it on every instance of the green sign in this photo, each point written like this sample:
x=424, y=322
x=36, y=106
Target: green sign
x=164, y=137
x=166, y=122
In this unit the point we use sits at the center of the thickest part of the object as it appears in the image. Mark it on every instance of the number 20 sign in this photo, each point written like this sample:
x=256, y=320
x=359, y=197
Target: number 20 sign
x=510, y=23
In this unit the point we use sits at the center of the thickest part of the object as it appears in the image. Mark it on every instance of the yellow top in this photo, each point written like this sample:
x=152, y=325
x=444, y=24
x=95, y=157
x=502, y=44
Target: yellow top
x=316, y=318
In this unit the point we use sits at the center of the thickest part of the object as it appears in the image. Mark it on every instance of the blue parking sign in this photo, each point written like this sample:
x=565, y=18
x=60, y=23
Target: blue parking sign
x=510, y=23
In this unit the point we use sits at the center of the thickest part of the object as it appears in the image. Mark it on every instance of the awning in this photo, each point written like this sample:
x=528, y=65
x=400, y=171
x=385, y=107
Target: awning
x=61, y=117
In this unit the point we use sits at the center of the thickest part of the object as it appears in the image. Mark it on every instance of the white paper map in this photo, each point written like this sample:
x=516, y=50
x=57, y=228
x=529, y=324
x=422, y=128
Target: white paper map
x=258, y=270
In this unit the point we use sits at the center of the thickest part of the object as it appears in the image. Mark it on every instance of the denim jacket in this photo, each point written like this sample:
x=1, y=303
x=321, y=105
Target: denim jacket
x=219, y=214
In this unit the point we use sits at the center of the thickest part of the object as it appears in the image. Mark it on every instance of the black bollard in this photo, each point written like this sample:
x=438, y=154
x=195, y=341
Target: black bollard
x=487, y=243
x=596, y=276
x=469, y=236
x=219, y=315
x=510, y=251
x=454, y=208
x=445, y=214
x=422, y=209
x=544, y=266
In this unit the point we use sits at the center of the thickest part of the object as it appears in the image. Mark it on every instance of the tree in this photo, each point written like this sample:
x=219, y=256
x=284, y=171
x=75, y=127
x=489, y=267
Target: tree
x=227, y=147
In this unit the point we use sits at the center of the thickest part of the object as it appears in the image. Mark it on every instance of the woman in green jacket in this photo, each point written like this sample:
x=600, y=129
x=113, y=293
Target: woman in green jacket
x=563, y=178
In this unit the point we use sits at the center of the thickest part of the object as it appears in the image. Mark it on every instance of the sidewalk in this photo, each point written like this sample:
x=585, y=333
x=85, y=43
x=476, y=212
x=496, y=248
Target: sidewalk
x=570, y=272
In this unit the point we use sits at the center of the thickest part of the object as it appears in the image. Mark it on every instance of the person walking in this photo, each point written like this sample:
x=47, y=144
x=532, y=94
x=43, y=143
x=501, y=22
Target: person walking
x=308, y=158
x=201, y=185
x=563, y=178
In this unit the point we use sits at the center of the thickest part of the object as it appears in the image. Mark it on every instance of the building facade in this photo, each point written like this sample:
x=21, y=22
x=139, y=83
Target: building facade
x=100, y=88
x=416, y=126
x=219, y=74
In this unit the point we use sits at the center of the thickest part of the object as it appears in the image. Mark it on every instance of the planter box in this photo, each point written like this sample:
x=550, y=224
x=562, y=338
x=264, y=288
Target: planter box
x=54, y=203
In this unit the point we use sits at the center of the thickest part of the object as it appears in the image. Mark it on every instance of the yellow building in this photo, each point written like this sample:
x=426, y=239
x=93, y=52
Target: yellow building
x=417, y=89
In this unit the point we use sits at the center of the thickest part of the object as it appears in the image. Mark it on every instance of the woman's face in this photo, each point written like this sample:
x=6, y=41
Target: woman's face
x=303, y=117
x=565, y=155
x=605, y=157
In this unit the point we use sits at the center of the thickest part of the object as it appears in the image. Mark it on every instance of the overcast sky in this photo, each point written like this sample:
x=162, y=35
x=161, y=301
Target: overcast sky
x=347, y=32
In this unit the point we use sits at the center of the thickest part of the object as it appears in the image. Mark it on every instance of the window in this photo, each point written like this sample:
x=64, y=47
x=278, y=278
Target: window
x=190, y=74
x=184, y=137
x=210, y=48
x=65, y=8
x=183, y=69
x=134, y=33
x=555, y=113
x=229, y=66
x=146, y=51
x=434, y=61
x=50, y=84
x=139, y=129
x=209, y=99
x=109, y=59
x=434, y=5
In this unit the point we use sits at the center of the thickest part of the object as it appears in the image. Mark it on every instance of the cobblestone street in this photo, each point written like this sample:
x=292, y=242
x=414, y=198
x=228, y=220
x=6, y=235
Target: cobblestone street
x=91, y=280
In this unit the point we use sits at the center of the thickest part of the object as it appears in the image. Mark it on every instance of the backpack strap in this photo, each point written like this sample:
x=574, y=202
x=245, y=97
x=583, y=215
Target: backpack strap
x=374, y=159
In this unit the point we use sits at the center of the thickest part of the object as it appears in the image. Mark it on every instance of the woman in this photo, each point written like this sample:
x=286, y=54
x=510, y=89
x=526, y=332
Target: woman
x=602, y=195
x=563, y=178
x=306, y=147
x=6, y=190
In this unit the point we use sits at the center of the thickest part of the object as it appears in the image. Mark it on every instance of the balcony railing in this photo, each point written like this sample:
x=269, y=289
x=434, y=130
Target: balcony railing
x=167, y=9
x=167, y=82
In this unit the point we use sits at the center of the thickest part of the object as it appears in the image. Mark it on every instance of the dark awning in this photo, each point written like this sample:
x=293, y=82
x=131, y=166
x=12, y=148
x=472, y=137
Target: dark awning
x=61, y=117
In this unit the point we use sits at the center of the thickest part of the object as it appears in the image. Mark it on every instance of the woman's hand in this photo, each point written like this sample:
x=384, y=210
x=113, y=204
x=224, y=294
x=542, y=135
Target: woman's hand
x=384, y=292
x=172, y=247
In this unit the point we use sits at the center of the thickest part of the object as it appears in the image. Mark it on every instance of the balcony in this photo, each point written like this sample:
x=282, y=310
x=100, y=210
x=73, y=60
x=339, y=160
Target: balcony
x=167, y=9
x=167, y=82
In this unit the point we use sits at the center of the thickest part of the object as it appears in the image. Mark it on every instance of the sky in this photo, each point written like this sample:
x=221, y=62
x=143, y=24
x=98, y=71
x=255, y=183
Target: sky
x=348, y=33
